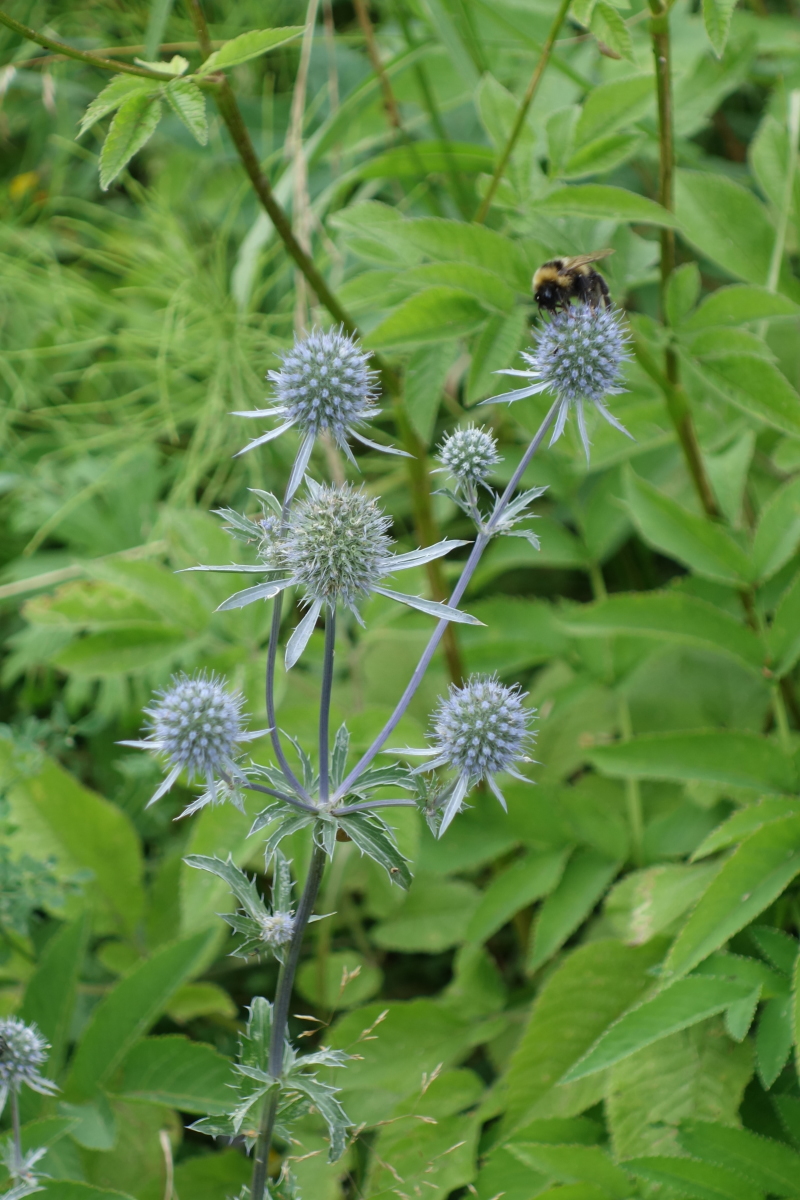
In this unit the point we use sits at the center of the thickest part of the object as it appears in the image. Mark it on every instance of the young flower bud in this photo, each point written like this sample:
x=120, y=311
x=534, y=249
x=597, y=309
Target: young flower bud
x=23, y=1051
x=469, y=454
x=336, y=545
x=579, y=357
x=481, y=728
x=277, y=929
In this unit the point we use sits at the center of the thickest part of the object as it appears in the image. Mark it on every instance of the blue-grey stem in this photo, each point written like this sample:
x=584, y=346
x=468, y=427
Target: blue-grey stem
x=280, y=1017
x=268, y=791
x=325, y=702
x=15, y=1125
x=479, y=545
x=369, y=804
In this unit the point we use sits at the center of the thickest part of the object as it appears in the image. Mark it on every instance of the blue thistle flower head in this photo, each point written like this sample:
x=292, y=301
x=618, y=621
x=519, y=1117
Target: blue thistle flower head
x=579, y=358
x=325, y=384
x=23, y=1051
x=469, y=454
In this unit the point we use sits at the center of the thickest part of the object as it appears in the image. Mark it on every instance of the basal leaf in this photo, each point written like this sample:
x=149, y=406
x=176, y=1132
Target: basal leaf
x=133, y=126
x=249, y=45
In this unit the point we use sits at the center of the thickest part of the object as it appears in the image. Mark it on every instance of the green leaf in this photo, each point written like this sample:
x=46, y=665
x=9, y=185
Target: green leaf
x=683, y=1004
x=249, y=45
x=770, y=1166
x=242, y=887
x=774, y=1039
x=189, y=104
x=778, y=532
x=747, y=883
x=115, y=93
x=516, y=887
x=600, y=156
x=433, y=315
x=133, y=126
x=719, y=756
x=67, y=1189
x=739, y=304
x=177, y=1073
x=435, y=917
x=615, y=104
x=57, y=816
x=455, y=241
x=425, y=158
x=346, y=981
x=562, y=1025
x=607, y=25
x=745, y=821
x=668, y=616
x=425, y=377
x=127, y=651
x=647, y=901
x=751, y=384
x=50, y=992
x=378, y=846
x=705, y=548
x=484, y=284
x=494, y=349
x=688, y=1177
x=783, y=635
x=128, y=1011
x=717, y=20
x=584, y=881
x=683, y=290
x=574, y=1164
x=598, y=201
x=777, y=947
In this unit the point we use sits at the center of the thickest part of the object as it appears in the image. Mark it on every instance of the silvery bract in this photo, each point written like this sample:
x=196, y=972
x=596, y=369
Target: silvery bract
x=324, y=386
x=196, y=725
x=578, y=358
x=23, y=1052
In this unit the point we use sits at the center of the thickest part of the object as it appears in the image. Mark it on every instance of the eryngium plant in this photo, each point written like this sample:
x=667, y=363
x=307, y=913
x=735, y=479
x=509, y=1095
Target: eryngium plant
x=23, y=1053
x=333, y=547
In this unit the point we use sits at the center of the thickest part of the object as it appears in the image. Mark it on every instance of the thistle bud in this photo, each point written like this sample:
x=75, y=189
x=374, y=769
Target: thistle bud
x=23, y=1051
x=481, y=728
x=469, y=454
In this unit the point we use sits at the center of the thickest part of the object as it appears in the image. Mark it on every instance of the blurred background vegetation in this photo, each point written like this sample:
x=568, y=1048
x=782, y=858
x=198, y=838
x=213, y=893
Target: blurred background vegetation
x=134, y=321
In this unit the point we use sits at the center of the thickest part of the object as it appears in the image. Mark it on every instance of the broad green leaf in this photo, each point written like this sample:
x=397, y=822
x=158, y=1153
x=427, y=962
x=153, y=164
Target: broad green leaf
x=705, y=548
x=597, y=201
x=668, y=616
x=128, y=1011
x=719, y=756
x=56, y=815
x=127, y=651
x=189, y=1076
x=562, y=1025
x=783, y=635
x=609, y=27
x=695, y=1073
x=584, y=881
x=485, y=285
x=454, y=241
x=425, y=377
x=750, y=971
x=738, y=304
x=717, y=20
x=344, y=980
x=745, y=821
x=774, y=1039
x=574, y=1164
x=249, y=45
x=435, y=916
x=189, y=103
x=778, y=531
x=68, y=1189
x=115, y=93
x=494, y=349
x=167, y=596
x=778, y=947
x=424, y=158
x=751, y=384
x=600, y=156
x=133, y=126
x=648, y=901
x=687, y=1176
x=684, y=1003
x=516, y=887
x=50, y=992
x=433, y=315
x=769, y=1165
x=747, y=883
x=614, y=105
x=683, y=289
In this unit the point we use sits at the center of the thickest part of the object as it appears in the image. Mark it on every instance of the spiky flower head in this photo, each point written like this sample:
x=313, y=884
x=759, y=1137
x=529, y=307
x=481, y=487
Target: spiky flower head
x=277, y=929
x=578, y=358
x=23, y=1051
x=337, y=546
x=469, y=454
x=195, y=725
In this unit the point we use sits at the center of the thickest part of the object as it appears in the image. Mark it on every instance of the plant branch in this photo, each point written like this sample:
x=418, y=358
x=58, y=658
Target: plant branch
x=272, y=654
x=527, y=100
x=84, y=56
x=479, y=545
x=674, y=393
x=389, y=101
x=280, y=1017
x=325, y=703
x=267, y=791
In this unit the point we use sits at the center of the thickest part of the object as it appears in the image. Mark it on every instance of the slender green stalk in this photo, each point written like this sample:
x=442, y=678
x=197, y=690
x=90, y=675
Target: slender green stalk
x=280, y=1017
x=325, y=703
x=84, y=56
x=527, y=100
x=674, y=392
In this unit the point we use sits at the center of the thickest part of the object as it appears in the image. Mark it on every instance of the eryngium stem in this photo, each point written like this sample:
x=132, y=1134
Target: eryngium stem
x=325, y=703
x=280, y=1017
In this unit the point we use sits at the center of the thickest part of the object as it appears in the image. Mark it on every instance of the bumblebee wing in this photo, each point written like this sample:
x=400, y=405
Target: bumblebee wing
x=582, y=260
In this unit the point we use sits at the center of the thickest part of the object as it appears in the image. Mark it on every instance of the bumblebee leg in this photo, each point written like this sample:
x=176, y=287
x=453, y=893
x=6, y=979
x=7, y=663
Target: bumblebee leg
x=602, y=287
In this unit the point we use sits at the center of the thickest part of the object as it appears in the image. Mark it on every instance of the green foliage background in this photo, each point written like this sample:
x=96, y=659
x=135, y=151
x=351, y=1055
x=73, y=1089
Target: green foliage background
x=651, y=871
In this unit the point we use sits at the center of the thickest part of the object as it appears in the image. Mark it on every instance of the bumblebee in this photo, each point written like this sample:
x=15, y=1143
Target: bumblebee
x=562, y=280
